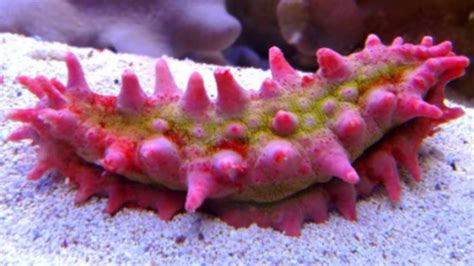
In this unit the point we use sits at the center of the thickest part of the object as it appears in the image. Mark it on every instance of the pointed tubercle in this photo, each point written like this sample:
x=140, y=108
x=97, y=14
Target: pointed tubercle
x=76, y=83
x=232, y=99
x=55, y=99
x=329, y=158
x=344, y=197
x=411, y=107
x=165, y=85
x=427, y=41
x=397, y=41
x=372, y=41
x=63, y=123
x=200, y=186
x=24, y=132
x=282, y=72
x=332, y=65
x=383, y=167
x=38, y=170
x=406, y=153
x=132, y=98
x=195, y=101
x=31, y=86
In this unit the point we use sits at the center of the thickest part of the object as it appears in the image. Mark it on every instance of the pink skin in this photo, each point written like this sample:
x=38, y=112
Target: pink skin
x=284, y=173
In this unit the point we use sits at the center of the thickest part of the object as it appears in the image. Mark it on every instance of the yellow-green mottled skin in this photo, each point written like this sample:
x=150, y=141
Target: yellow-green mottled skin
x=138, y=127
x=214, y=126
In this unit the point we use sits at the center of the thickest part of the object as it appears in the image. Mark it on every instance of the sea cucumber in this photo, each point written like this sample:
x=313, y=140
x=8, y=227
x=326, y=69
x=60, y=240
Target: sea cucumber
x=288, y=153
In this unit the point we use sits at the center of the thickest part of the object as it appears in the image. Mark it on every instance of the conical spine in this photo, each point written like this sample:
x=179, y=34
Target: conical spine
x=332, y=66
x=165, y=86
x=372, y=41
x=132, y=98
x=232, y=99
x=77, y=86
x=200, y=187
x=282, y=72
x=195, y=101
x=329, y=158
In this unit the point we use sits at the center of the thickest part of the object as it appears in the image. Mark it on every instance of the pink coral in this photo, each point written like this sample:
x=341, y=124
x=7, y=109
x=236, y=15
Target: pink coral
x=287, y=154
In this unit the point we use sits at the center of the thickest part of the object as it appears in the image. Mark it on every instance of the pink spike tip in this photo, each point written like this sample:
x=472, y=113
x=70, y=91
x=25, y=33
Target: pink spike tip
x=76, y=83
x=132, y=98
x=165, y=85
x=332, y=65
x=38, y=170
x=232, y=99
x=383, y=167
x=344, y=197
x=55, y=99
x=411, y=107
x=63, y=123
x=397, y=41
x=200, y=186
x=329, y=158
x=442, y=49
x=24, y=132
x=405, y=152
x=427, y=41
x=195, y=101
x=282, y=71
x=32, y=86
x=372, y=41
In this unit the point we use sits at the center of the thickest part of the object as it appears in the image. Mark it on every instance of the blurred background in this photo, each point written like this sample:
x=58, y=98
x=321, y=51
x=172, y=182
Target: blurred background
x=239, y=32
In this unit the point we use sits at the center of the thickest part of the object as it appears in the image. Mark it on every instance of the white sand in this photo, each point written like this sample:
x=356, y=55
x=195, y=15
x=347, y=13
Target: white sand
x=39, y=224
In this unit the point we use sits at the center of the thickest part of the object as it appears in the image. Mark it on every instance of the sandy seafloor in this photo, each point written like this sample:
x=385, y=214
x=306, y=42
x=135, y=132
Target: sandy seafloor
x=39, y=224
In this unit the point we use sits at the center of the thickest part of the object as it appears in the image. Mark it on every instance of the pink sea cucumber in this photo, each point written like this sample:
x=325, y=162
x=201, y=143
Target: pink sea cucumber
x=300, y=146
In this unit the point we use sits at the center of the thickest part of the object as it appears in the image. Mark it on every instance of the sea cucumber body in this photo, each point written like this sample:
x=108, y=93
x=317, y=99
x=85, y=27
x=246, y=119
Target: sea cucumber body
x=276, y=148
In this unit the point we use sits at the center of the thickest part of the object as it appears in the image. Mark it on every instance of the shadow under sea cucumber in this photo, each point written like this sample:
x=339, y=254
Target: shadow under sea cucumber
x=287, y=154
